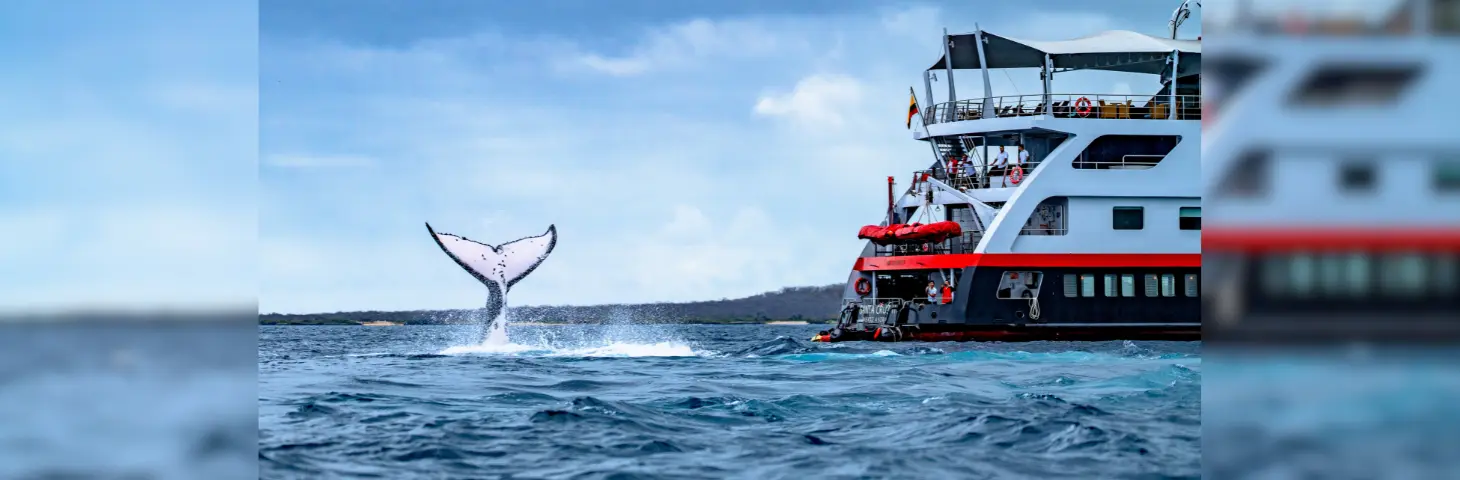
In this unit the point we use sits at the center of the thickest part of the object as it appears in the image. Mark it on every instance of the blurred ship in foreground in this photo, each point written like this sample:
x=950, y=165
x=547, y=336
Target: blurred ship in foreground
x=1331, y=172
x=1095, y=236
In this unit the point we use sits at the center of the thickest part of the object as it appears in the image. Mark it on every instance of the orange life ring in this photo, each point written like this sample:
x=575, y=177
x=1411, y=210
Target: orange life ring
x=862, y=286
x=1082, y=106
x=1016, y=175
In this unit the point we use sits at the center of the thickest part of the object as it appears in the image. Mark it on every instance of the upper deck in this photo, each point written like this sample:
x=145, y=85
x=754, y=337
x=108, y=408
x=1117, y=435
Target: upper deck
x=1177, y=63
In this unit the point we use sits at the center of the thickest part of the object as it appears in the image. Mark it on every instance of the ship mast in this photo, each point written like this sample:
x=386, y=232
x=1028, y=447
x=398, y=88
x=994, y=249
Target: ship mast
x=1181, y=14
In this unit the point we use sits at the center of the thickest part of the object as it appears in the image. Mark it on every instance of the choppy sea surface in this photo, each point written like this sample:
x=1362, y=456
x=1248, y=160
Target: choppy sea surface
x=689, y=401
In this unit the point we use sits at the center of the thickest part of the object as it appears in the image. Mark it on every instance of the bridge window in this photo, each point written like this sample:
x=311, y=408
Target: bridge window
x=1127, y=285
x=1111, y=288
x=1071, y=287
x=1191, y=287
x=1128, y=218
x=1168, y=285
x=1126, y=152
x=1151, y=289
x=1190, y=218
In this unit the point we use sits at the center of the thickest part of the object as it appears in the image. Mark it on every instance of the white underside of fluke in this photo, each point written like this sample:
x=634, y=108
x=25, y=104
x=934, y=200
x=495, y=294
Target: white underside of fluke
x=497, y=267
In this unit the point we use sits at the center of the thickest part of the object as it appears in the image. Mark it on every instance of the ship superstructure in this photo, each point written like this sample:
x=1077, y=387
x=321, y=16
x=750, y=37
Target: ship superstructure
x=1096, y=236
x=1334, y=171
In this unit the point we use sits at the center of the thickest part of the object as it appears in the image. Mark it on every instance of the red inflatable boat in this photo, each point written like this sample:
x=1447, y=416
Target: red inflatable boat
x=916, y=232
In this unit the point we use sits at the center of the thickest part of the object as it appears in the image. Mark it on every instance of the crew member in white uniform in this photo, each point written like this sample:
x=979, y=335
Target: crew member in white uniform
x=1001, y=162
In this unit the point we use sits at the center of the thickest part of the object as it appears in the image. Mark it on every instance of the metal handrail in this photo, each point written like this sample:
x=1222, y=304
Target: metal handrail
x=1126, y=163
x=1108, y=106
x=1044, y=231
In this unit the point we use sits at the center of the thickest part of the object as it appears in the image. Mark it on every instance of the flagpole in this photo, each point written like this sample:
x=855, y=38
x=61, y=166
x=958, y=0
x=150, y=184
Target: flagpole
x=927, y=135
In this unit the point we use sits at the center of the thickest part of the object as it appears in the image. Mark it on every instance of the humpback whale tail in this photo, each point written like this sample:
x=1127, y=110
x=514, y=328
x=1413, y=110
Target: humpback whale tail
x=498, y=267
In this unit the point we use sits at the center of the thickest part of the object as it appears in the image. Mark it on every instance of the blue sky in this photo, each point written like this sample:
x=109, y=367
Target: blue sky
x=683, y=153
x=128, y=155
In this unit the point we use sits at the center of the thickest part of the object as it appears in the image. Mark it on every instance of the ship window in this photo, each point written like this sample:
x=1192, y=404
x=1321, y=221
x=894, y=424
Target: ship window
x=1112, y=289
x=1070, y=286
x=1445, y=16
x=1248, y=176
x=1190, y=218
x=1127, y=285
x=1301, y=275
x=1168, y=285
x=1445, y=275
x=1128, y=218
x=1191, y=289
x=1356, y=177
x=1356, y=272
x=1151, y=290
x=1331, y=279
x=1403, y=275
x=1087, y=285
x=1354, y=85
x=1447, y=175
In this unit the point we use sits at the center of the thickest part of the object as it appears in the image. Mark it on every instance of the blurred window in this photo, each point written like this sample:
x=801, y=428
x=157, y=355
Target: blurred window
x=1355, y=84
x=1447, y=174
x=1357, y=176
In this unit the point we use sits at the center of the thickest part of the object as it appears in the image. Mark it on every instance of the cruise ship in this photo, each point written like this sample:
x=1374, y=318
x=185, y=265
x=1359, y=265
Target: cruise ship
x=1096, y=236
x=1333, y=172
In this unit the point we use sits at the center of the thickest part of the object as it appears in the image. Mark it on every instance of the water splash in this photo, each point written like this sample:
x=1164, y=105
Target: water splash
x=620, y=336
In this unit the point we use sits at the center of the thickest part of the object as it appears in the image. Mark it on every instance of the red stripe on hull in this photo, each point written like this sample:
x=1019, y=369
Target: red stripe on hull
x=1032, y=260
x=1376, y=239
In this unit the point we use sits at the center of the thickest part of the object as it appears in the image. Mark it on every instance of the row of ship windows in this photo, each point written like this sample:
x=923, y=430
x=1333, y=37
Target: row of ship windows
x=1134, y=218
x=1357, y=274
x=1124, y=285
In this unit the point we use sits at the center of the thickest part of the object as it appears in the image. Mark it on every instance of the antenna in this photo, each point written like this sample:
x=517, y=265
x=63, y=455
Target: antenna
x=1181, y=14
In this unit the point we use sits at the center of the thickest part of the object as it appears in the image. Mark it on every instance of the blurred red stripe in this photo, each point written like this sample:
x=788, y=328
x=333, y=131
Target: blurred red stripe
x=1375, y=239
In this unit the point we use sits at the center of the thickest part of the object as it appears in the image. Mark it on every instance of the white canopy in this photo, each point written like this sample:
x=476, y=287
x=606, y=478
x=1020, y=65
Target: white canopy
x=1115, y=50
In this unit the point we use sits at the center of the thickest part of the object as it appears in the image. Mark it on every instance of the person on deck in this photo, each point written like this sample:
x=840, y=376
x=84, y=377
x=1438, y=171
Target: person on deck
x=1023, y=156
x=1001, y=164
x=947, y=293
x=932, y=292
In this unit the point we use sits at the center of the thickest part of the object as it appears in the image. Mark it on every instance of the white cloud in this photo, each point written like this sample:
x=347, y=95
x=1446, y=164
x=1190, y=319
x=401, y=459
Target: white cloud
x=817, y=101
x=697, y=40
x=919, y=22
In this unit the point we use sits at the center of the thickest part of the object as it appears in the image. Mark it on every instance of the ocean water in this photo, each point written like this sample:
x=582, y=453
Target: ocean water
x=120, y=399
x=687, y=401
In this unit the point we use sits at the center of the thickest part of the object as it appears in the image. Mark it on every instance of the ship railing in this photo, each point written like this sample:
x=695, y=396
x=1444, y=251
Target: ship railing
x=1106, y=106
x=1127, y=162
x=962, y=179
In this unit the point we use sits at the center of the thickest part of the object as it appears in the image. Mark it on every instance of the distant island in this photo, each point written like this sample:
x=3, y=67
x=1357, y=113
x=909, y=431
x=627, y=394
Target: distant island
x=787, y=305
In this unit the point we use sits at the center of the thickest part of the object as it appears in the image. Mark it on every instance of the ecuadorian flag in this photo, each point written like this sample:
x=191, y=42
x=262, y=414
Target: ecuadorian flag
x=912, y=107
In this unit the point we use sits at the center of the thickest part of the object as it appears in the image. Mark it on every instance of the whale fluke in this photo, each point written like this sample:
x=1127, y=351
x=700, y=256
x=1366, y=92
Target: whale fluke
x=499, y=267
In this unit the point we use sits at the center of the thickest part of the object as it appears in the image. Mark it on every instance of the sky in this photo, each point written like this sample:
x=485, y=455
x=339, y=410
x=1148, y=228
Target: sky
x=128, y=155
x=683, y=152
